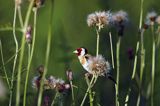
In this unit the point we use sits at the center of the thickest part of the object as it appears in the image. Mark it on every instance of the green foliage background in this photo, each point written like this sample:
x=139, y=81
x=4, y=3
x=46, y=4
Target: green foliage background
x=70, y=31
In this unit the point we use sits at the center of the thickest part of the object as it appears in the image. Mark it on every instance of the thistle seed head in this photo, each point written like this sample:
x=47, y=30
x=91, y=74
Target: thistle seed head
x=151, y=16
x=99, y=66
x=99, y=19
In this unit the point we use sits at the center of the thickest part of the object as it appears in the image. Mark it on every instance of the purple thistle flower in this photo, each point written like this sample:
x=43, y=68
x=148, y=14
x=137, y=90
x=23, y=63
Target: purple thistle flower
x=130, y=53
x=28, y=35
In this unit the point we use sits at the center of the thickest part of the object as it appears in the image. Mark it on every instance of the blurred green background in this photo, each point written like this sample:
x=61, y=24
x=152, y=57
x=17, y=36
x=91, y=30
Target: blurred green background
x=70, y=31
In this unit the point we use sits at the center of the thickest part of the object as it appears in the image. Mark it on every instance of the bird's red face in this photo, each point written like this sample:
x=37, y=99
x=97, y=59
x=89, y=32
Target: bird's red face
x=80, y=51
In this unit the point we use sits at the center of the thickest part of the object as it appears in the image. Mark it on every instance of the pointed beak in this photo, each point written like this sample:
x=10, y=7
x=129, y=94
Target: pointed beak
x=75, y=51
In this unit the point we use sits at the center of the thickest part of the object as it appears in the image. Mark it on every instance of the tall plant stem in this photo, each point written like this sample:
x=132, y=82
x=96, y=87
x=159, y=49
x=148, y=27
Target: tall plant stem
x=53, y=101
x=5, y=72
x=142, y=63
x=97, y=46
x=90, y=92
x=20, y=16
x=16, y=54
x=9, y=60
x=73, y=98
x=118, y=67
x=141, y=14
x=158, y=38
x=110, y=36
x=30, y=57
x=47, y=54
x=22, y=53
x=133, y=74
x=89, y=87
x=153, y=65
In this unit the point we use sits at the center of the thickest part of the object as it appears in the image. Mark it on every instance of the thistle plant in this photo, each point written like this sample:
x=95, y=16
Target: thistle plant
x=151, y=18
x=97, y=20
x=47, y=54
x=69, y=74
x=22, y=53
x=119, y=20
x=17, y=6
x=133, y=74
x=31, y=45
x=51, y=83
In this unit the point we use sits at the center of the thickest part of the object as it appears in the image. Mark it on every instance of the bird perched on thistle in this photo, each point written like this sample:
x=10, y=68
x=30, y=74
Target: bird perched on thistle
x=95, y=65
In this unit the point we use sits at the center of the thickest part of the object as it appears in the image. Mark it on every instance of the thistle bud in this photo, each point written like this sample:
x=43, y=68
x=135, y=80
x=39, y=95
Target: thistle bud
x=40, y=69
x=69, y=74
x=130, y=53
x=28, y=35
x=38, y=3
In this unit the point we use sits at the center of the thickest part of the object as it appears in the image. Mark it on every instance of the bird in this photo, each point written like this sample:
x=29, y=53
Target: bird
x=95, y=65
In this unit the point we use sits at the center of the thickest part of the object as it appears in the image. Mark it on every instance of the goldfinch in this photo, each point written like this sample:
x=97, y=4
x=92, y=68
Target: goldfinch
x=95, y=65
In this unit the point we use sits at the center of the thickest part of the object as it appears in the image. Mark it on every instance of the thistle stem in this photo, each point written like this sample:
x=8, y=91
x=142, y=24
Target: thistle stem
x=158, y=40
x=153, y=65
x=89, y=87
x=118, y=67
x=110, y=36
x=20, y=16
x=30, y=56
x=142, y=64
x=53, y=101
x=16, y=54
x=47, y=54
x=133, y=74
x=97, y=47
x=73, y=99
x=5, y=72
x=90, y=92
x=12, y=57
x=22, y=53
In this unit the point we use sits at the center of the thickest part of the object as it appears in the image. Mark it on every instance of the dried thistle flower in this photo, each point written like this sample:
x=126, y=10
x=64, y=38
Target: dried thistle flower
x=151, y=16
x=28, y=35
x=119, y=19
x=40, y=69
x=57, y=84
x=99, y=19
x=99, y=66
x=158, y=20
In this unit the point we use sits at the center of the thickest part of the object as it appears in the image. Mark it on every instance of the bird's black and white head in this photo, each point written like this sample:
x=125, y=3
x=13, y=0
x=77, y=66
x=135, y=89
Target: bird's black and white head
x=81, y=51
